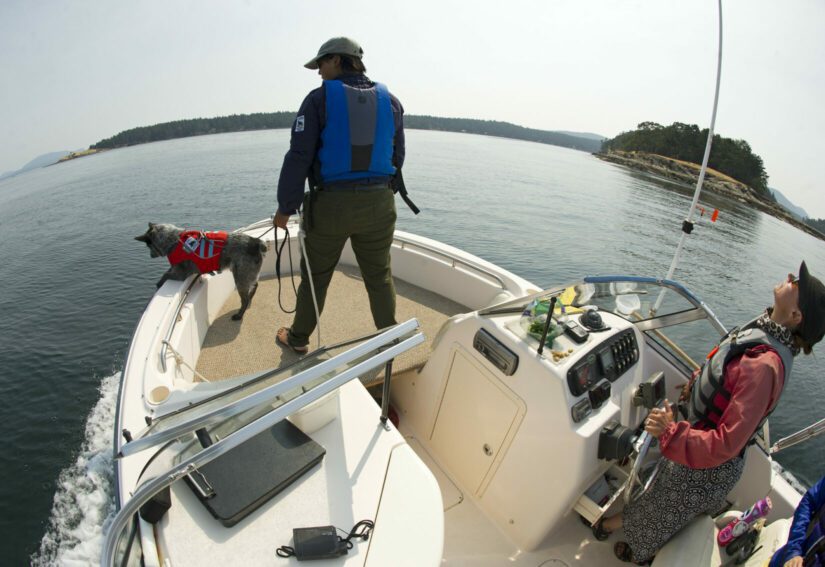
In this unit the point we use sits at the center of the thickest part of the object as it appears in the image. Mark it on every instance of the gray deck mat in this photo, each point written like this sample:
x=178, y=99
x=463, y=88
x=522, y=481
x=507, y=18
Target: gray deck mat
x=232, y=349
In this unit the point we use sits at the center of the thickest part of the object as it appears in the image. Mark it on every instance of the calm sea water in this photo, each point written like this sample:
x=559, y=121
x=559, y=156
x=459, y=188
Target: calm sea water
x=75, y=283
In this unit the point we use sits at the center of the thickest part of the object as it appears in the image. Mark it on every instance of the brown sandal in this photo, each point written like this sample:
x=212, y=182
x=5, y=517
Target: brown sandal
x=282, y=338
x=622, y=551
x=598, y=530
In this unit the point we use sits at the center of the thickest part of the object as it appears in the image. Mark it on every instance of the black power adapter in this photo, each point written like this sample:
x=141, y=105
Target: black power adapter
x=317, y=543
x=323, y=542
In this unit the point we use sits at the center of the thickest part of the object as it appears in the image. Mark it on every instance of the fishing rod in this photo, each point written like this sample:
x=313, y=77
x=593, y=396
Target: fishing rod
x=687, y=224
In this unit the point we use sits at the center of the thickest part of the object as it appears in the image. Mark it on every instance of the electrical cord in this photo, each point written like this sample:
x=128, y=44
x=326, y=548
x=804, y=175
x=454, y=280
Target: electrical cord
x=366, y=527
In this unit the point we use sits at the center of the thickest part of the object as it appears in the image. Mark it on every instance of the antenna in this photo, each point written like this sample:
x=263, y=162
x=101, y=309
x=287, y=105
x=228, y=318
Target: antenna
x=687, y=224
x=547, y=324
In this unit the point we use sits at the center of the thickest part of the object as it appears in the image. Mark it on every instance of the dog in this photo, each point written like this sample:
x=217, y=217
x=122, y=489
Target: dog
x=195, y=252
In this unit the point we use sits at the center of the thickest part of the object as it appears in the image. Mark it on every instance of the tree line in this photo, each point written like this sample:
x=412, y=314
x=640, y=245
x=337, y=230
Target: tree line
x=503, y=130
x=270, y=120
x=197, y=127
x=818, y=224
x=686, y=142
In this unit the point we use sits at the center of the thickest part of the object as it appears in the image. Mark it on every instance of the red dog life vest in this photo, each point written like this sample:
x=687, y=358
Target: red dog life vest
x=202, y=248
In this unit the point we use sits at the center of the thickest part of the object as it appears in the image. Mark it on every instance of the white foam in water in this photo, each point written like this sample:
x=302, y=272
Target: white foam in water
x=788, y=475
x=84, y=502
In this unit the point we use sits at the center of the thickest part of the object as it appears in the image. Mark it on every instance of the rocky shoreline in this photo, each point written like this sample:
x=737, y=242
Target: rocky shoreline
x=687, y=174
x=80, y=154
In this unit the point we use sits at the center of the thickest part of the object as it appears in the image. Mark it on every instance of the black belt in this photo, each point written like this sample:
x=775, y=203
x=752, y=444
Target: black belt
x=343, y=187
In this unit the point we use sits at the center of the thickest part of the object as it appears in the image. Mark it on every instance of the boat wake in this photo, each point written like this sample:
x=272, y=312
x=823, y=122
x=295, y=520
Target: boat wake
x=84, y=502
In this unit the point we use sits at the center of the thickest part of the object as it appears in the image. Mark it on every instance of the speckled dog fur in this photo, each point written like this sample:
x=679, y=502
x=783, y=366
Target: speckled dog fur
x=242, y=254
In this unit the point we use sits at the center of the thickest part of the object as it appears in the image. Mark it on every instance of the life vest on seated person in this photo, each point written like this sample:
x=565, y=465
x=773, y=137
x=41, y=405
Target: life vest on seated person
x=202, y=248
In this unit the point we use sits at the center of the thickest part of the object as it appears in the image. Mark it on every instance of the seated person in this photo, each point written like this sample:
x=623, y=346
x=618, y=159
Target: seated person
x=729, y=399
x=807, y=534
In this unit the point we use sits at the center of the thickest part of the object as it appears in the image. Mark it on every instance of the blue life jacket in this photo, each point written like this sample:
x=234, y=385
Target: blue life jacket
x=357, y=140
x=808, y=540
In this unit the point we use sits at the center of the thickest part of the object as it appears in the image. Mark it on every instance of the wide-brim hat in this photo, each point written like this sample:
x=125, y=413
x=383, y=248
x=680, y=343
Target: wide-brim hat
x=336, y=46
x=812, y=305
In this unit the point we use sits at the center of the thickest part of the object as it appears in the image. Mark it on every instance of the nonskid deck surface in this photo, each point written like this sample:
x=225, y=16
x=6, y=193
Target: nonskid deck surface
x=234, y=349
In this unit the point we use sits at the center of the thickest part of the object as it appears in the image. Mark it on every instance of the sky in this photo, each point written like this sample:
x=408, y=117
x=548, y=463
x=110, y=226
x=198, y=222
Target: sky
x=74, y=73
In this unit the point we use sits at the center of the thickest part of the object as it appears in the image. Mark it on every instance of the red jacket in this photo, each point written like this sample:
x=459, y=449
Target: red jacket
x=755, y=382
x=202, y=248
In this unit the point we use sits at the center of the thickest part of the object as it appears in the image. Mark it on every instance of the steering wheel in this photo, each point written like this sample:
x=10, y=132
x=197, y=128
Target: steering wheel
x=642, y=445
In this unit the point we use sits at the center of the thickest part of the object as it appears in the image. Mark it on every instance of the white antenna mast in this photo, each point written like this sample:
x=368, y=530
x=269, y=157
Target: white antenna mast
x=687, y=225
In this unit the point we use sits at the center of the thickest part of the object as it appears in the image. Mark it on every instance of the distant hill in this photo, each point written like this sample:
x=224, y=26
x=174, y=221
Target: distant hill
x=796, y=211
x=40, y=161
x=589, y=135
x=265, y=121
x=503, y=130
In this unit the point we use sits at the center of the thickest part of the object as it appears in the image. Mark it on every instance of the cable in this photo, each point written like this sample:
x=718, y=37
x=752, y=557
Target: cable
x=363, y=535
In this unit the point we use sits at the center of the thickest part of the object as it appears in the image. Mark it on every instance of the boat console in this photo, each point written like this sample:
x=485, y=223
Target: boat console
x=520, y=431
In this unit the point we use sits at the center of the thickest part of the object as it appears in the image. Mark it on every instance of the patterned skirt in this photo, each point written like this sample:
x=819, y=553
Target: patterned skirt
x=678, y=495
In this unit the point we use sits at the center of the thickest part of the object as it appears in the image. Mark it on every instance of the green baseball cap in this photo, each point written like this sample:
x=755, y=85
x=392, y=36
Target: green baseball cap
x=336, y=46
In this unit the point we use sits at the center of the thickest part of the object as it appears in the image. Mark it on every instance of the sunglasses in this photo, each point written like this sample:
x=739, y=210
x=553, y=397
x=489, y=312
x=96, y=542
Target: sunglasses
x=793, y=280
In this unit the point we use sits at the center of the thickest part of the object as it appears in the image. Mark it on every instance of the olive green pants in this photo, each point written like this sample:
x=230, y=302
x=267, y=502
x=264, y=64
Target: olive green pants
x=367, y=217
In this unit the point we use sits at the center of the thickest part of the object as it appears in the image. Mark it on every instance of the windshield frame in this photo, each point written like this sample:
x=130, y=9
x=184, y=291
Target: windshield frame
x=700, y=309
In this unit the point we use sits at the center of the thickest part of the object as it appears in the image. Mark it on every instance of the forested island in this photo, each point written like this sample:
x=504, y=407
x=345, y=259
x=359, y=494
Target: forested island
x=270, y=120
x=673, y=152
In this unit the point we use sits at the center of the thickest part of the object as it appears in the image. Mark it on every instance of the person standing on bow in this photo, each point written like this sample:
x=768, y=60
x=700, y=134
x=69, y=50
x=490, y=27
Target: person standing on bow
x=348, y=142
x=729, y=399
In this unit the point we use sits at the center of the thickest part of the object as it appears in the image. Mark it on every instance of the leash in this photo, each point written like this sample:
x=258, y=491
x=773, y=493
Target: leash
x=278, y=252
x=278, y=255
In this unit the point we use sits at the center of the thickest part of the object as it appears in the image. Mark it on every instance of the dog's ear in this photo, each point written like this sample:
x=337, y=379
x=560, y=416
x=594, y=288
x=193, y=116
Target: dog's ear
x=145, y=236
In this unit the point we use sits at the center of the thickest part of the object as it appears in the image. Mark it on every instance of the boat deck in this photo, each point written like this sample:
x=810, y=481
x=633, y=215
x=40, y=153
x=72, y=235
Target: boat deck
x=233, y=349
x=472, y=539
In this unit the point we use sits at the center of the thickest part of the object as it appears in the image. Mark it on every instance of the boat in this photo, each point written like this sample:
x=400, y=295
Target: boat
x=493, y=426
x=461, y=438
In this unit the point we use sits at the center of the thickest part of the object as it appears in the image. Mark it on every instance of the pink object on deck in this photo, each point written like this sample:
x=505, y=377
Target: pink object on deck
x=743, y=523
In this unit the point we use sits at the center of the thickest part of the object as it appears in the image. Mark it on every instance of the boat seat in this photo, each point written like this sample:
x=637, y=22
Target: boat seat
x=756, y=480
x=695, y=545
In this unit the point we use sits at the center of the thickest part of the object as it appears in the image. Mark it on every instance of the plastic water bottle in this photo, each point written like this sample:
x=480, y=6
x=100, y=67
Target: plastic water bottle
x=743, y=523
